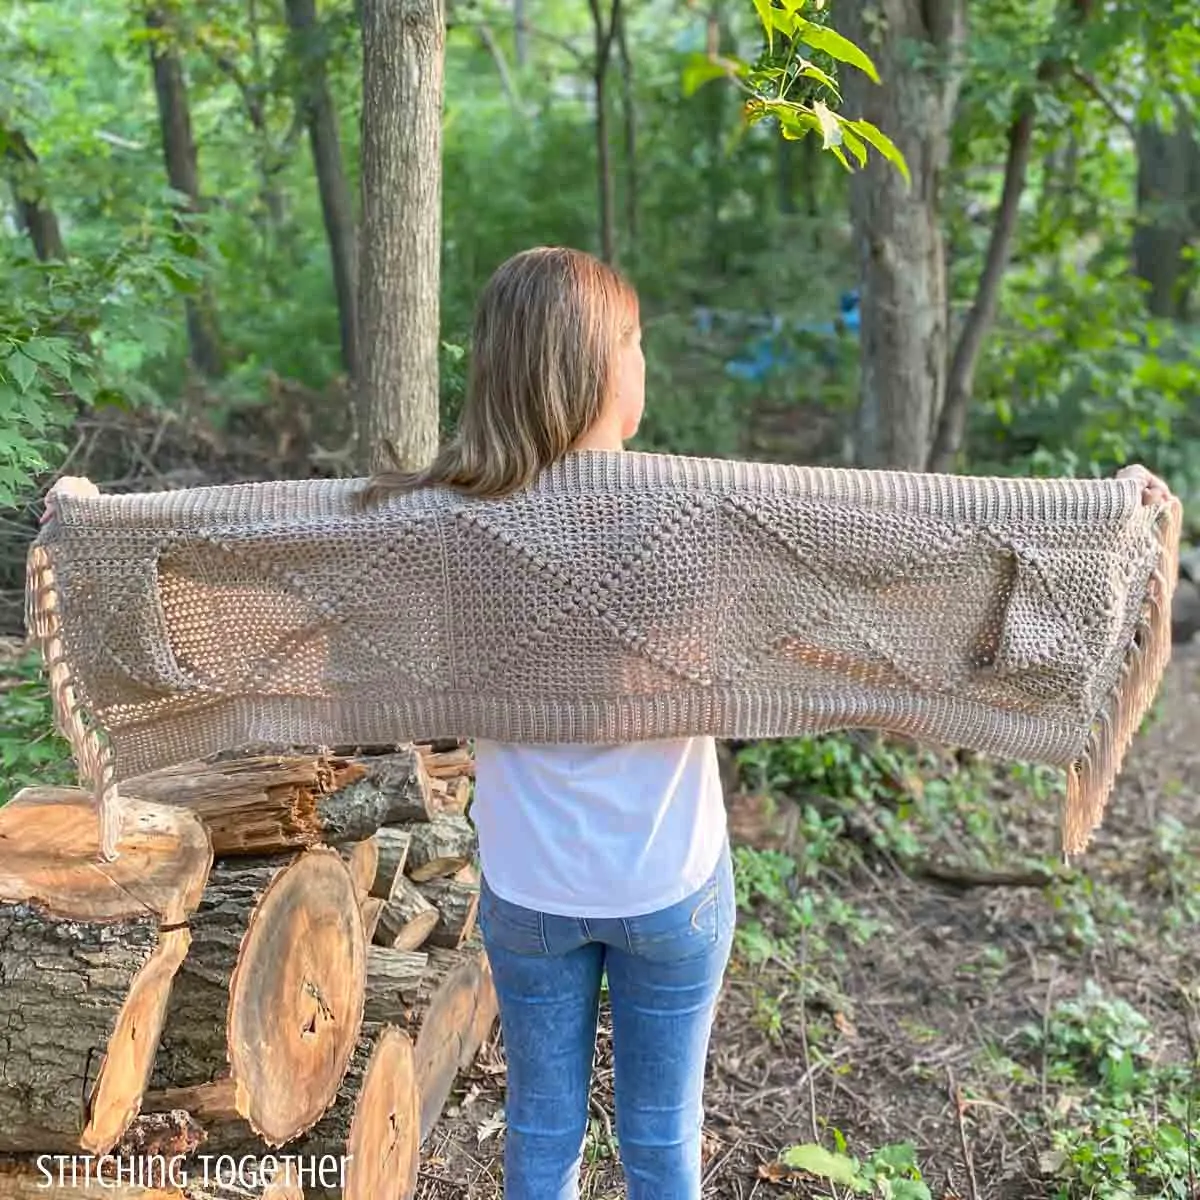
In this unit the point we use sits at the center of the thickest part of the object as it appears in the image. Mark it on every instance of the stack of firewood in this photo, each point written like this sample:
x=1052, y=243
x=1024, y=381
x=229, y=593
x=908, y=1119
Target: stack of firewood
x=281, y=965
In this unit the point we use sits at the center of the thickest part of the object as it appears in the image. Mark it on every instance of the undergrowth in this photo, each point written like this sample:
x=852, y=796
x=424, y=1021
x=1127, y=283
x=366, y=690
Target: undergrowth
x=30, y=751
x=1106, y=1095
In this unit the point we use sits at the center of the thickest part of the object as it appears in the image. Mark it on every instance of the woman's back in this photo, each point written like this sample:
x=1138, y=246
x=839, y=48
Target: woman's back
x=599, y=831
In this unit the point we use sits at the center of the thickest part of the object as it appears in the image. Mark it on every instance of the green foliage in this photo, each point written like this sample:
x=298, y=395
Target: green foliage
x=1123, y=1123
x=891, y=1173
x=30, y=752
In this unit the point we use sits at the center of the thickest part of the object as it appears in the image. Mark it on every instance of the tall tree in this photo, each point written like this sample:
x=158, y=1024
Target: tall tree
x=1168, y=217
x=337, y=203
x=897, y=228
x=604, y=30
x=34, y=210
x=179, y=154
x=403, y=81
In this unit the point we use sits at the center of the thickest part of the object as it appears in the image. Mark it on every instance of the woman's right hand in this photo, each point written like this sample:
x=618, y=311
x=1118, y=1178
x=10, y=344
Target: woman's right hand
x=68, y=485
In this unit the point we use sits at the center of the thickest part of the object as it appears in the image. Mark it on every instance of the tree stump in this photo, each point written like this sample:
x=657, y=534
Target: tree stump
x=271, y=994
x=87, y=957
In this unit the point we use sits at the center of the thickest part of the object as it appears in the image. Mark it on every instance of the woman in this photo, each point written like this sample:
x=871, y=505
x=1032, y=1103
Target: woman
x=596, y=860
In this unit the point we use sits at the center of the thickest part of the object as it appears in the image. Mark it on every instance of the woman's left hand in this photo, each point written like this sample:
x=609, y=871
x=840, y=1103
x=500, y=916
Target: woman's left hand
x=1154, y=490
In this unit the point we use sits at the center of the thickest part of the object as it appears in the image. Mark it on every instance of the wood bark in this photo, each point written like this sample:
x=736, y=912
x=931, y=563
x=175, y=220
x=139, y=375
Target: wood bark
x=897, y=228
x=35, y=213
x=407, y=919
x=394, y=981
x=337, y=203
x=272, y=992
x=266, y=803
x=179, y=154
x=403, y=51
x=440, y=848
x=372, y=910
x=457, y=904
x=81, y=1004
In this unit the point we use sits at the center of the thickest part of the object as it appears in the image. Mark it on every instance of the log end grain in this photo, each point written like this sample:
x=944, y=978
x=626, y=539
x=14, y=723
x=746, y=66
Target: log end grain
x=129, y=1056
x=384, y=1144
x=51, y=858
x=297, y=996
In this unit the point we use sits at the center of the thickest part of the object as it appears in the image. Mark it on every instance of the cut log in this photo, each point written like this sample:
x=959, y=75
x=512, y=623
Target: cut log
x=87, y=955
x=374, y=1121
x=81, y=1006
x=447, y=1028
x=393, y=844
x=394, y=979
x=212, y=1103
x=272, y=991
x=457, y=797
x=439, y=746
x=443, y=846
x=407, y=919
x=51, y=856
x=457, y=904
x=372, y=910
x=450, y=763
x=274, y=802
x=362, y=859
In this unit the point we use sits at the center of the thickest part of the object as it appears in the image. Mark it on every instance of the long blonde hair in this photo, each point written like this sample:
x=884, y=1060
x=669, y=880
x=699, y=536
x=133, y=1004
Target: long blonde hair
x=547, y=329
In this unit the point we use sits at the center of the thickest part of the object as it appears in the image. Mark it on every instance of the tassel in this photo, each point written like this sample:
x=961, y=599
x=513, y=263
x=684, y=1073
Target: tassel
x=1091, y=778
x=93, y=760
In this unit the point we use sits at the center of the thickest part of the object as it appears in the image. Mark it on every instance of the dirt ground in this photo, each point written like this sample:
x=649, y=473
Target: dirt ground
x=894, y=1030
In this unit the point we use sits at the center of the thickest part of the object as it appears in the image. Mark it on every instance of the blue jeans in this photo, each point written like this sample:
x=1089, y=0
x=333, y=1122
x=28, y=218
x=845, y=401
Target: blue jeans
x=664, y=975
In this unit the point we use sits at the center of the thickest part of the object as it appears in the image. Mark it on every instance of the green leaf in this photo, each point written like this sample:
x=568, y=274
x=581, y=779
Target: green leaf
x=816, y=1160
x=820, y=37
x=882, y=143
x=855, y=145
x=831, y=130
x=48, y=352
x=700, y=69
x=763, y=8
x=812, y=71
x=21, y=369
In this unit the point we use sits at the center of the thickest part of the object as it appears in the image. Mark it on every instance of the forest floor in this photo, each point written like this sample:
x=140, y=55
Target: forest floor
x=1028, y=1029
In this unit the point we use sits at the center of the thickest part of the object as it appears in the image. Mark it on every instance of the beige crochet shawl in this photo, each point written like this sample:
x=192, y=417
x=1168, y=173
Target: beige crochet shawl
x=623, y=596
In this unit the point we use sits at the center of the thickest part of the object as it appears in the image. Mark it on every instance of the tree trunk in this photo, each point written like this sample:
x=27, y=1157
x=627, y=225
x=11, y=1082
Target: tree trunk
x=272, y=991
x=1166, y=177
x=520, y=34
x=603, y=33
x=35, y=214
x=337, y=204
x=953, y=420
x=897, y=228
x=403, y=52
x=629, y=126
x=179, y=153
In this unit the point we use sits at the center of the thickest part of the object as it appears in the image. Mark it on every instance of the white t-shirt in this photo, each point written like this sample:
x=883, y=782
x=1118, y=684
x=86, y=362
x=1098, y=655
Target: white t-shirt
x=598, y=831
